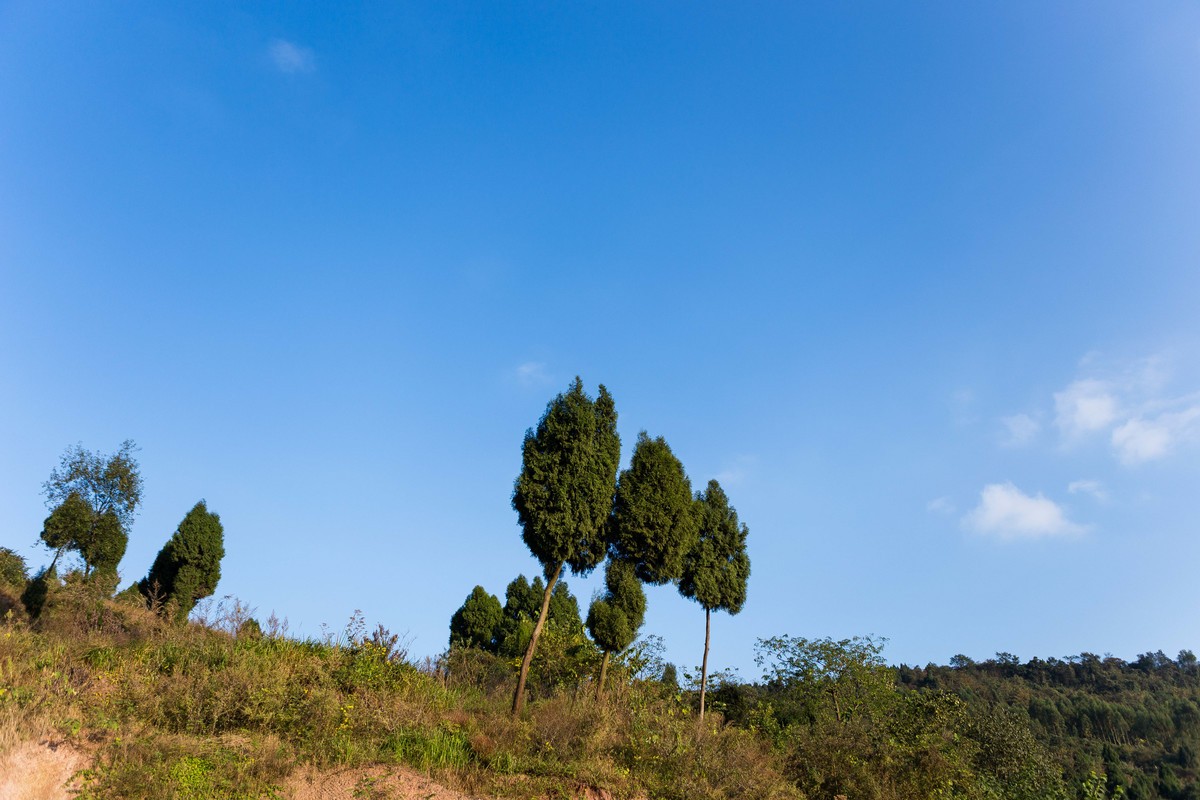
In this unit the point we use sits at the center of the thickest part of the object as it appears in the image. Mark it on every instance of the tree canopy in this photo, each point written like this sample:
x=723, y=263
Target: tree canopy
x=106, y=483
x=654, y=522
x=716, y=569
x=564, y=492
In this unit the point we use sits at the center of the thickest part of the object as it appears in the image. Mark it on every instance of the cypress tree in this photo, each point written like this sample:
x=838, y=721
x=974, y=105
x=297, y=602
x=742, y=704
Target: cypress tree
x=188, y=567
x=615, y=617
x=564, y=494
x=717, y=569
x=654, y=521
x=477, y=621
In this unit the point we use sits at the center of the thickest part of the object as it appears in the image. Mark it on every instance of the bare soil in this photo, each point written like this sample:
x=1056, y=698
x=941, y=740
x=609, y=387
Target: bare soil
x=42, y=770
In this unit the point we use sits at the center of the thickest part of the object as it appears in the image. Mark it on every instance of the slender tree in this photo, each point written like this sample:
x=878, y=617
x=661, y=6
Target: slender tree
x=188, y=567
x=615, y=617
x=717, y=568
x=477, y=621
x=653, y=519
x=564, y=494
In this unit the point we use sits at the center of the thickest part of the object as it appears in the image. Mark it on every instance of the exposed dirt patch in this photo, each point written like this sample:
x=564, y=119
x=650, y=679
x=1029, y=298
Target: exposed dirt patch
x=39, y=771
x=370, y=783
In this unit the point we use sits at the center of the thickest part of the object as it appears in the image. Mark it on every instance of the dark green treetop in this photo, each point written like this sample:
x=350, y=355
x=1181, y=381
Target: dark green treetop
x=717, y=569
x=522, y=598
x=615, y=617
x=564, y=492
x=477, y=621
x=522, y=606
x=653, y=519
x=188, y=567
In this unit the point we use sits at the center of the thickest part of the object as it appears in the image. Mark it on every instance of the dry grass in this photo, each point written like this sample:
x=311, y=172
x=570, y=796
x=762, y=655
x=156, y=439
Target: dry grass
x=197, y=712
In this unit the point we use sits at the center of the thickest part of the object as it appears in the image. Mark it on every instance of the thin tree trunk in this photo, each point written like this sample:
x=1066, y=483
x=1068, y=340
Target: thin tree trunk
x=519, y=697
x=704, y=664
x=603, y=674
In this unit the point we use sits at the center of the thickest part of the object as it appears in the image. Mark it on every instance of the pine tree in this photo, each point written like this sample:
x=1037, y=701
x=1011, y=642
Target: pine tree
x=717, y=569
x=564, y=494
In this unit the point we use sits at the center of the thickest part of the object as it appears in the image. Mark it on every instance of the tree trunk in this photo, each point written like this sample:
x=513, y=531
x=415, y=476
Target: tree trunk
x=519, y=697
x=603, y=675
x=704, y=663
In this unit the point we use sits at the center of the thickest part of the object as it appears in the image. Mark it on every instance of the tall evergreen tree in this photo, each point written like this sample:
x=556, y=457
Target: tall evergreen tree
x=615, y=617
x=477, y=621
x=654, y=521
x=188, y=567
x=564, y=493
x=717, y=569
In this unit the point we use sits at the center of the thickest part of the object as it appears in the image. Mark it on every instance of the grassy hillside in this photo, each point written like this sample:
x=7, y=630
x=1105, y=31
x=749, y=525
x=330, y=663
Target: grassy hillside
x=223, y=707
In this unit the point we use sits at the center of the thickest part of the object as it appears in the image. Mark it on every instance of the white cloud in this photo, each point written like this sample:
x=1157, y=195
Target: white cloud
x=1019, y=430
x=1144, y=439
x=1006, y=512
x=941, y=505
x=1084, y=407
x=291, y=58
x=532, y=374
x=1088, y=487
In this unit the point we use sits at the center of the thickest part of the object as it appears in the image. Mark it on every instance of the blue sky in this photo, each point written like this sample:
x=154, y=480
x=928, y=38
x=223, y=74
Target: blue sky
x=918, y=285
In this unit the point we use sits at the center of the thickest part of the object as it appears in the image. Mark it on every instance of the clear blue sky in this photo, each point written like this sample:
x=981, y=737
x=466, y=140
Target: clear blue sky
x=918, y=285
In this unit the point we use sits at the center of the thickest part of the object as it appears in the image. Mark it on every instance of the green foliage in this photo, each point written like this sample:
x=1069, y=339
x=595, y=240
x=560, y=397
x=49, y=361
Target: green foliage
x=564, y=492
x=97, y=536
x=843, y=679
x=13, y=570
x=477, y=622
x=93, y=498
x=717, y=569
x=106, y=483
x=1096, y=788
x=523, y=605
x=188, y=567
x=654, y=521
x=615, y=617
x=1136, y=722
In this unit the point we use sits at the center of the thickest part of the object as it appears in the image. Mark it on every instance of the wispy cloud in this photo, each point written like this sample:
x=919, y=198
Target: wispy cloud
x=1084, y=407
x=1144, y=439
x=532, y=374
x=1019, y=430
x=1004, y=511
x=941, y=505
x=1130, y=405
x=291, y=58
x=1092, y=488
